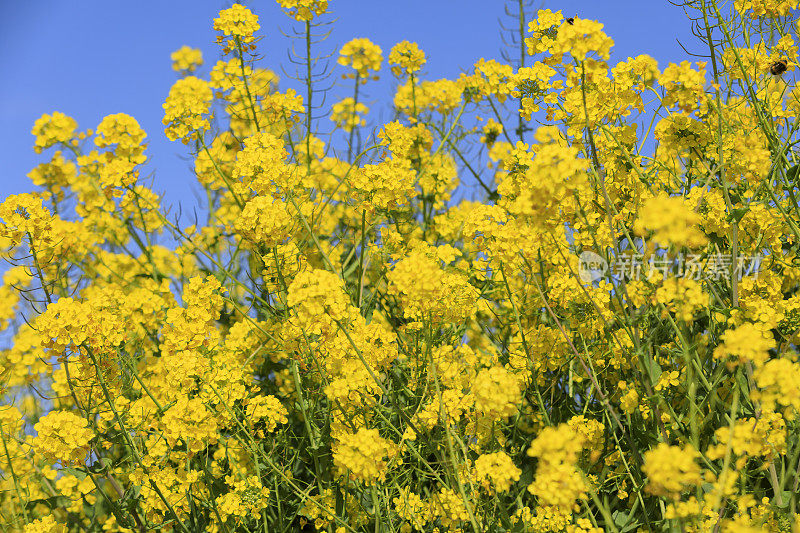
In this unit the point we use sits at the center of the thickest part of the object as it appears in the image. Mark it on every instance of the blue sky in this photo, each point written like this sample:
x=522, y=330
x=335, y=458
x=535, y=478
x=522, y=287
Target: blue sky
x=94, y=58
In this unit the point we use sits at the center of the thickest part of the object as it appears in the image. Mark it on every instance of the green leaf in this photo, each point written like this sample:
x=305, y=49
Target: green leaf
x=737, y=214
x=793, y=172
x=786, y=496
x=653, y=369
x=54, y=502
x=78, y=473
x=101, y=465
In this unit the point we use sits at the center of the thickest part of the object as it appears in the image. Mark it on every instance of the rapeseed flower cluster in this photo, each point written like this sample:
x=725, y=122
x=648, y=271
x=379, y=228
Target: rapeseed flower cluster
x=186, y=59
x=508, y=308
x=362, y=55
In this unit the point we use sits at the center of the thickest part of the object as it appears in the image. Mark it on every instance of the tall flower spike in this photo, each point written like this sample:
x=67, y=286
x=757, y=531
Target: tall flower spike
x=304, y=10
x=363, y=55
x=406, y=58
x=237, y=22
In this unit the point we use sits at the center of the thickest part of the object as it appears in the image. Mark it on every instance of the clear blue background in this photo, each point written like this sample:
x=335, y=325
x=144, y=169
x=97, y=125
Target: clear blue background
x=92, y=58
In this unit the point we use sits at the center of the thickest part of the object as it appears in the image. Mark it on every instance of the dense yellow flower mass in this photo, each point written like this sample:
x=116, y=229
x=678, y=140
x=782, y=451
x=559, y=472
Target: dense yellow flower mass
x=671, y=470
x=349, y=114
x=57, y=128
x=765, y=8
x=186, y=59
x=237, y=22
x=406, y=58
x=247, y=499
x=671, y=221
x=304, y=10
x=362, y=55
x=265, y=221
x=747, y=343
x=62, y=436
x=186, y=108
x=24, y=216
x=364, y=454
x=553, y=295
x=497, y=471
